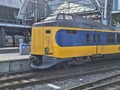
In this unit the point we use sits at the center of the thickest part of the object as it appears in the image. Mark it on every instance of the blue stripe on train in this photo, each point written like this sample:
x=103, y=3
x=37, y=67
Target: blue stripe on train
x=79, y=38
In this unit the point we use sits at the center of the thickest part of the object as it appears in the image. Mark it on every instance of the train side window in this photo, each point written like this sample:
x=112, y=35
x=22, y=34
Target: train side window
x=68, y=17
x=98, y=37
x=48, y=31
x=87, y=37
x=71, y=32
x=118, y=37
x=60, y=17
x=94, y=37
x=111, y=37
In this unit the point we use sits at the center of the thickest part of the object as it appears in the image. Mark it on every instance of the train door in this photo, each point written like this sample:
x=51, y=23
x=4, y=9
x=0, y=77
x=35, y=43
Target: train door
x=96, y=40
x=48, y=45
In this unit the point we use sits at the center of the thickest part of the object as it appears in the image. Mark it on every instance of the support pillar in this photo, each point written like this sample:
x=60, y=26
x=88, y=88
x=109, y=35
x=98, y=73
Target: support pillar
x=2, y=38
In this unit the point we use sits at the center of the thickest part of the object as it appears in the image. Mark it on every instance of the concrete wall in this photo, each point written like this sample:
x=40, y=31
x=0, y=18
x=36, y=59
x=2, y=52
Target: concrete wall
x=14, y=66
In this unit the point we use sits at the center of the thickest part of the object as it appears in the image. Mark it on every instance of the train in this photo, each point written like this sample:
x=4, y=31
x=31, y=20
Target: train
x=11, y=41
x=11, y=37
x=64, y=39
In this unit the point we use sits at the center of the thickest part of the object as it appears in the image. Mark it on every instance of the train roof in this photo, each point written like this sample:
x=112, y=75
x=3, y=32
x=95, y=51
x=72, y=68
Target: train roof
x=71, y=20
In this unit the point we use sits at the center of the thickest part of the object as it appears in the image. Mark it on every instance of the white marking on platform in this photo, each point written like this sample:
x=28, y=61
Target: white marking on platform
x=53, y=86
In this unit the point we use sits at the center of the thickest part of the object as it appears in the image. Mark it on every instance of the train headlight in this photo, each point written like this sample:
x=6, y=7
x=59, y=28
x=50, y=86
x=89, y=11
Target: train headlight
x=46, y=50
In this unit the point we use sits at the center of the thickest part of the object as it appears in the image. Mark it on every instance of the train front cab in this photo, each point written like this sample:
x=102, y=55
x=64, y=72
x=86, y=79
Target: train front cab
x=42, y=47
x=45, y=52
x=41, y=42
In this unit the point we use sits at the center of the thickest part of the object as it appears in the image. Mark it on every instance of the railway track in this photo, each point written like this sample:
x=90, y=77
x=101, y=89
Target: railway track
x=27, y=79
x=101, y=84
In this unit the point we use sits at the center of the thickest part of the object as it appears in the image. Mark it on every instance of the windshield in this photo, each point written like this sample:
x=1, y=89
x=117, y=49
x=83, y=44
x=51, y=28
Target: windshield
x=50, y=18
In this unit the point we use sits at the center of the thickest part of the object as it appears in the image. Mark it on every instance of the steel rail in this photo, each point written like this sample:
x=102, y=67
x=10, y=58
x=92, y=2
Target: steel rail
x=27, y=79
x=103, y=86
x=33, y=73
x=34, y=80
x=116, y=88
x=98, y=83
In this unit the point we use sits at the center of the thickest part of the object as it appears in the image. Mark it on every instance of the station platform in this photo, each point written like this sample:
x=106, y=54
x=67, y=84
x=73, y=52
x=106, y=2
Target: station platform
x=12, y=57
x=9, y=50
x=13, y=62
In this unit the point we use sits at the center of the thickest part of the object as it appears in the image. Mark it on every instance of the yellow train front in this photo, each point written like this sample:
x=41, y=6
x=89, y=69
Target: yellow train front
x=63, y=37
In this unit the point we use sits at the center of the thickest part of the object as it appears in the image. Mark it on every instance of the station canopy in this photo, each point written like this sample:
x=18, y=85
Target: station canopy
x=46, y=7
x=11, y=3
x=70, y=6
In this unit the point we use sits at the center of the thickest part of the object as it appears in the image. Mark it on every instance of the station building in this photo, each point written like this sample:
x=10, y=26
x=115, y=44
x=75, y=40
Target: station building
x=11, y=28
x=17, y=16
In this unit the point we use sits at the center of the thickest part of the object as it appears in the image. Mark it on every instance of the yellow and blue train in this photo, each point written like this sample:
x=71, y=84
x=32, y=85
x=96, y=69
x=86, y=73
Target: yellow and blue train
x=63, y=38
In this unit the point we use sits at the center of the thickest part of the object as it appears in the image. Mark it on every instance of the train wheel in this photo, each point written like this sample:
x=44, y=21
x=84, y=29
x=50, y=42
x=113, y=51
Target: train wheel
x=66, y=65
x=37, y=60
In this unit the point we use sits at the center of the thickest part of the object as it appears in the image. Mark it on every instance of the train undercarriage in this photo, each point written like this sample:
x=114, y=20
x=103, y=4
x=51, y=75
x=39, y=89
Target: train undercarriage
x=44, y=62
